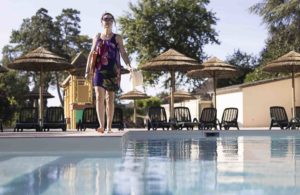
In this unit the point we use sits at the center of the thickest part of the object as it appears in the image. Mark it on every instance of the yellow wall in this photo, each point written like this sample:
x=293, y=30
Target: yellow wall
x=77, y=94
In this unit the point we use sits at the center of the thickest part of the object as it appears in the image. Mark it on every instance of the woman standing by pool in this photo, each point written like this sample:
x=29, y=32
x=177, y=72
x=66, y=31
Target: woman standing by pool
x=106, y=71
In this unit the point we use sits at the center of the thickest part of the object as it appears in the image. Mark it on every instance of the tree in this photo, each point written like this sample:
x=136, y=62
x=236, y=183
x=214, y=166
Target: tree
x=146, y=103
x=153, y=26
x=69, y=29
x=12, y=94
x=69, y=41
x=244, y=62
x=283, y=22
x=37, y=31
x=163, y=97
x=257, y=75
x=61, y=36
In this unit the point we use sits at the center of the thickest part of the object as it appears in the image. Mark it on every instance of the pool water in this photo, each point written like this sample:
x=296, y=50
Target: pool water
x=223, y=165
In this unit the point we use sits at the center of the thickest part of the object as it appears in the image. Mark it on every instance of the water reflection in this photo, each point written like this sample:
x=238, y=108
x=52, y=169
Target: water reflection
x=61, y=175
x=226, y=165
x=279, y=147
x=255, y=165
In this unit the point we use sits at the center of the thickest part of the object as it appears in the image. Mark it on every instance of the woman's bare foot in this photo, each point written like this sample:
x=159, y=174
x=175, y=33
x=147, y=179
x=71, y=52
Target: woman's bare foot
x=100, y=130
x=109, y=131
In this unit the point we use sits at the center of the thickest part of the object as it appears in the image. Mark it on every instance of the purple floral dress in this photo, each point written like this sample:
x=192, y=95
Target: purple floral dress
x=107, y=67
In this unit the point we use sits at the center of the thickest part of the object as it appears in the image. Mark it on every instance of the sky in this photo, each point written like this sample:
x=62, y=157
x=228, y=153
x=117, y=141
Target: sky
x=236, y=26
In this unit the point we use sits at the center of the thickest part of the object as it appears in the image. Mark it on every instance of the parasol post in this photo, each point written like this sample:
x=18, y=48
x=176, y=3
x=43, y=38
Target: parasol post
x=41, y=99
x=172, y=94
x=215, y=91
x=134, y=111
x=293, y=91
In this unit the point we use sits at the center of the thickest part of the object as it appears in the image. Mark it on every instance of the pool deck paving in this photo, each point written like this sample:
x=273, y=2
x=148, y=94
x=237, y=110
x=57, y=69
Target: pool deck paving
x=90, y=142
x=143, y=133
x=116, y=133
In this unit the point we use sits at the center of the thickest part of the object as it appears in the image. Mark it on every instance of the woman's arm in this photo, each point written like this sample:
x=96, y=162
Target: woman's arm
x=123, y=53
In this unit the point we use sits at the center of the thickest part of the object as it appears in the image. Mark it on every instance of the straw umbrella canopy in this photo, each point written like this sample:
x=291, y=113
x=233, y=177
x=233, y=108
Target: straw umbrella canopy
x=288, y=63
x=134, y=95
x=214, y=68
x=181, y=96
x=171, y=61
x=3, y=69
x=40, y=60
x=35, y=94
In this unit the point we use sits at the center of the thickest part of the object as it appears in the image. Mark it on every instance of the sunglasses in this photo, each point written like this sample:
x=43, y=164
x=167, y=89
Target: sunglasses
x=107, y=19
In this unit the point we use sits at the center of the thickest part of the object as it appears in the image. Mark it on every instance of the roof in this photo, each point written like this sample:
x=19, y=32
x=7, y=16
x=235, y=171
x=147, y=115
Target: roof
x=236, y=88
x=66, y=82
x=79, y=64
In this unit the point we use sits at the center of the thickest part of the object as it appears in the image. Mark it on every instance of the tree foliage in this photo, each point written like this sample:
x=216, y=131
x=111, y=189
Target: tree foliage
x=283, y=22
x=146, y=103
x=13, y=87
x=62, y=36
x=244, y=62
x=70, y=41
x=154, y=26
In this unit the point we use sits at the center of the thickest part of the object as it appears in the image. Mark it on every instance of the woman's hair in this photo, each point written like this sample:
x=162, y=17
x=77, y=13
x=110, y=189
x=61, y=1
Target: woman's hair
x=107, y=13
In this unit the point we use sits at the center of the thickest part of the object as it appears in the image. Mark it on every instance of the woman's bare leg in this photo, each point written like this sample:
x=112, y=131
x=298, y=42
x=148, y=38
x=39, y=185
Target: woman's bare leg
x=100, y=94
x=110, y=108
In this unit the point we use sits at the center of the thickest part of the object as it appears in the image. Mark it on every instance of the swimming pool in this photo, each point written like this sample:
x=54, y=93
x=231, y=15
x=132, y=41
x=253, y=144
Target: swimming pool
x=212, y=165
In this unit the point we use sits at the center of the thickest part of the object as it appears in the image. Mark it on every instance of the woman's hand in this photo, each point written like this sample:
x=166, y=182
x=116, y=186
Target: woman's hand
x=88, y=75
x=129, y=68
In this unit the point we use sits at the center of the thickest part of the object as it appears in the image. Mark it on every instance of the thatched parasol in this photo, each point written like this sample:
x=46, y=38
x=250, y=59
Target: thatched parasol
x=215, y=69
x=171, y=61
x=134, y=95
x=289, y=63
x=40, y=60
x=79, y=65
x=35, y=94
x=181, y=96
x=3, y=69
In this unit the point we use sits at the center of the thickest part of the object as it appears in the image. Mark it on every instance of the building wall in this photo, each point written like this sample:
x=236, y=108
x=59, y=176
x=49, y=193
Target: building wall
x=77, y=96
x=253, y=101
x=259, y=98
x=67, y=106
x=233, y=99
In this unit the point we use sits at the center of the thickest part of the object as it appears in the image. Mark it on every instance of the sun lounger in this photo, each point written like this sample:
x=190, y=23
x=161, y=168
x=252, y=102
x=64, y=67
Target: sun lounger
x=183, y=119
x=157, y=118
x=229, y=118
x=54, y=119
x=1, y=126
x=90, y=120
x=297, y=112
x=118, y=121
x=28, y=119
x=208, y=119
x=280, y=119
